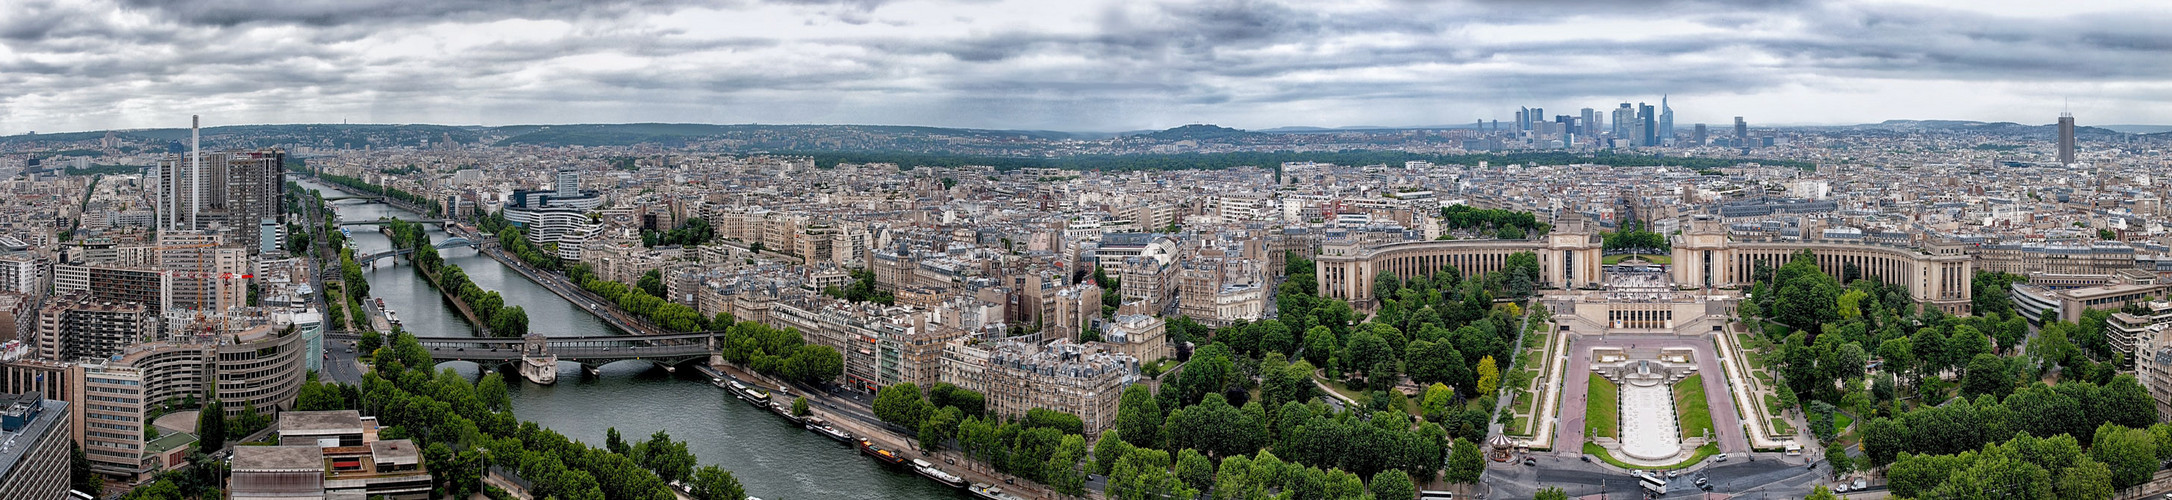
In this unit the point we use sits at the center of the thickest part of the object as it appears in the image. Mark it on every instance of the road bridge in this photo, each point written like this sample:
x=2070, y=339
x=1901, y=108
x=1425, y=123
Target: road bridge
x=383, y=221
x=592, y=352
x=452, y=242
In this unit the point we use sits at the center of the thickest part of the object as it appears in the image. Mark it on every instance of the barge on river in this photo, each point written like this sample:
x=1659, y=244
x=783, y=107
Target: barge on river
x=887, y=457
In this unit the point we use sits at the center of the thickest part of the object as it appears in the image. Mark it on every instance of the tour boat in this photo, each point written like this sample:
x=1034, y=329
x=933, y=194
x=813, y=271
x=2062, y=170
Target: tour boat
x=750, y=394
x=929, y=471
x=990, y=492
x=830, y=432
x=887, y=457
x=392, y=318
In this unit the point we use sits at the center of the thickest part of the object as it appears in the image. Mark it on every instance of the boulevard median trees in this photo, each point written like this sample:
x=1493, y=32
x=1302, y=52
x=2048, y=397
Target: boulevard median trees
x=781, y=353
x=901, y=404
x=670, y=315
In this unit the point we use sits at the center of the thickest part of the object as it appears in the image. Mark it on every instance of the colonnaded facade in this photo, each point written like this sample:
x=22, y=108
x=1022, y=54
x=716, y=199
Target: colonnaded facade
x=1568, y=257
x=1709, y=267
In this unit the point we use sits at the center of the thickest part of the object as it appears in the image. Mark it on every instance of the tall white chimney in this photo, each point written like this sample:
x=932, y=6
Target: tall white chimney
x=196, y=169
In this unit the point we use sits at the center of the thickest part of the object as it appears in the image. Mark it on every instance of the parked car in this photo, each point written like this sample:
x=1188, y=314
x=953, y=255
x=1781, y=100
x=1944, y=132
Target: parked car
x=1720, y=457
x=1530, y=461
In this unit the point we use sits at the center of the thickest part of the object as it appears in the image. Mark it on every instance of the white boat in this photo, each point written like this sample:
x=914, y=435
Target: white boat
x=929, y=471
x=991, y=492
x=752, y=395
x=830, y=432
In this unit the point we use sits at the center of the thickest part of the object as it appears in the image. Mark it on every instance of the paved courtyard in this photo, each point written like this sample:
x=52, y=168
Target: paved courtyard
x=1647, y=422
x=1569, y=436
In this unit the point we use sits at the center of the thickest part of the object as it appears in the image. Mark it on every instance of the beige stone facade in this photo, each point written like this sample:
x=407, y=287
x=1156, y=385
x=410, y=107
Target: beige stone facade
x=1062, y=376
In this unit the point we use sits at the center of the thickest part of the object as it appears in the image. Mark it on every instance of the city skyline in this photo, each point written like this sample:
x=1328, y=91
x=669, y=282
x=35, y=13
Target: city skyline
x=1087, y=67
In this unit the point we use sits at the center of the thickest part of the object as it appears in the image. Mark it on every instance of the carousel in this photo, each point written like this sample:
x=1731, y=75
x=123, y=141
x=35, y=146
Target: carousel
x=1498, y=448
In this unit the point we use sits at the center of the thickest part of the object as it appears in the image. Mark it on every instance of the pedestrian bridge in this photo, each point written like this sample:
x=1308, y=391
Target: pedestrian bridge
x=456, y=241
x=592, y=352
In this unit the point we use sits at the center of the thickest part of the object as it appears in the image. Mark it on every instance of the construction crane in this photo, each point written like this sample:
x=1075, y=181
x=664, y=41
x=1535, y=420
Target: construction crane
x=167, y=300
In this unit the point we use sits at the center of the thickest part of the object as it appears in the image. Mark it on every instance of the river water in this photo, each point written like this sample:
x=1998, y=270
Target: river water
x=774, y=459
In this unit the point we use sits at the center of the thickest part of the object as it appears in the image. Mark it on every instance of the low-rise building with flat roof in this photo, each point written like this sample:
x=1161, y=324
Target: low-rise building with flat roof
x=330, y=454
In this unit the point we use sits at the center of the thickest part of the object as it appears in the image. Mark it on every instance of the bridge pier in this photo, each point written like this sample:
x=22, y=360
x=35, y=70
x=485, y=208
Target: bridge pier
x=542, y=370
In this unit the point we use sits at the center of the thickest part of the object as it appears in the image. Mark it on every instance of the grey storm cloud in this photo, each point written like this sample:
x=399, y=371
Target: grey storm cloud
x=1085, y=65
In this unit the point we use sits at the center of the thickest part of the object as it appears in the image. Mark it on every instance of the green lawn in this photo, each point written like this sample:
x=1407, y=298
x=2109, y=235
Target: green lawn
x=1690, y=408
x=1517, y=428
x=1772, y=405
x=1779, y=426
x=1601, y=407
x=1841, y=421
x=1655, y=259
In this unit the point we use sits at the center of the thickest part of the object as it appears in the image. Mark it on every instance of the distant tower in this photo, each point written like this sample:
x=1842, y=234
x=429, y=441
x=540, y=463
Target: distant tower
x=1590, y=125
x=1696, y=136
x=1666, y=120
x=1742, y=132
x=196, y=169
x=569, y=183
x=2066, y=138
x=1650, y=128
x=1625, y=119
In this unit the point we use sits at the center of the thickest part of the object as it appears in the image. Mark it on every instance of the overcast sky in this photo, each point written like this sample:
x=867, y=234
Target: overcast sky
x=1078, y=65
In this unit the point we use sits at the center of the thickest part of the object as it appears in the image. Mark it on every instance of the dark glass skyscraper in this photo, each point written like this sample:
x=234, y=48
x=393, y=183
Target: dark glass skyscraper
x=2066, y=138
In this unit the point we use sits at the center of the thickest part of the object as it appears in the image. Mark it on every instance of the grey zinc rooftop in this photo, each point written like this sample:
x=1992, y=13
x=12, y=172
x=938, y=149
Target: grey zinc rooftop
x=278, y=458
x=320, y=422
x=395, y=451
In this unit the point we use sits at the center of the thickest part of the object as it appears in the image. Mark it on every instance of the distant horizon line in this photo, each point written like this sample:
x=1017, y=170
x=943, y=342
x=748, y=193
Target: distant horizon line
x=1280, y=128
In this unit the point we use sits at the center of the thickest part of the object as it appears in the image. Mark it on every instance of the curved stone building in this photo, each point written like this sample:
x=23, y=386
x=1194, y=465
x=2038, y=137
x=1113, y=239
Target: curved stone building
x=1705, y=257
x=1568, y=258
x=1936, y=274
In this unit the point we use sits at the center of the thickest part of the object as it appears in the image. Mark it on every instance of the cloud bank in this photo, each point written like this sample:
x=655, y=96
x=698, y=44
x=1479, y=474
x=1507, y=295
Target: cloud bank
x=1080, y=65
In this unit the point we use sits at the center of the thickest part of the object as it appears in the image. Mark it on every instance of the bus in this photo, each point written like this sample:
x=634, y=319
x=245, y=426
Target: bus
x=1436, y=495
x=1652, y=483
